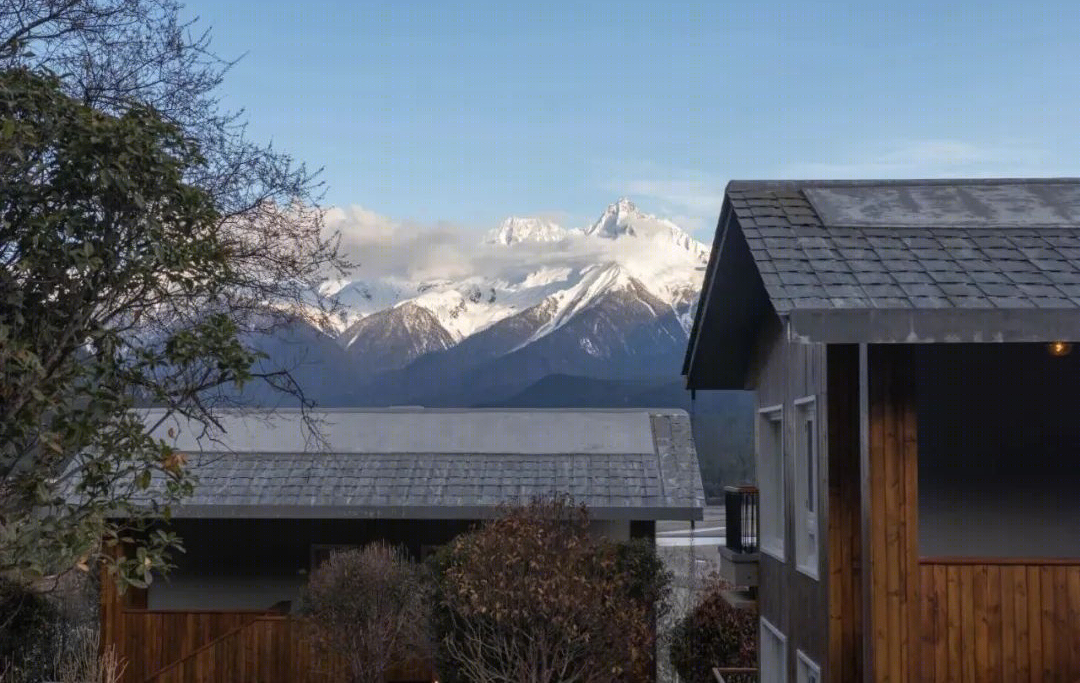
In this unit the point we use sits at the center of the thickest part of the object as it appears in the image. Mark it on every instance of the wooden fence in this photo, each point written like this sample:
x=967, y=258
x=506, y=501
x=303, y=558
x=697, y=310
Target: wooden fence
x=217, y=647
x=1000, y=620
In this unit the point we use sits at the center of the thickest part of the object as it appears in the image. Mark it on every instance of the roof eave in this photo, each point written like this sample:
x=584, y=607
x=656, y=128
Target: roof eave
x=465, y=512
x=934, y=326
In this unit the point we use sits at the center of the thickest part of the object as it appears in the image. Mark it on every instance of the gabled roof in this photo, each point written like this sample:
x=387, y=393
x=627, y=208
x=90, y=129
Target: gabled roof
x=441, y=464
x=889, y=261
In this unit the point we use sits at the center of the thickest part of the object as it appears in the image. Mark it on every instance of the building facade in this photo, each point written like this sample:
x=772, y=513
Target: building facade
x=918, y=439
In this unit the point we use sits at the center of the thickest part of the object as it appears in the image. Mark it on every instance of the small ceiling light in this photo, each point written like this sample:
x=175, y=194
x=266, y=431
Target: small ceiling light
x=1059, y=348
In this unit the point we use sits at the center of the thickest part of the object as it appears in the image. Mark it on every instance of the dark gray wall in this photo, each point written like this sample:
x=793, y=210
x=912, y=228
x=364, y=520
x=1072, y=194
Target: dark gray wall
x=253, y=564
x=792, y=601
x=999, y=451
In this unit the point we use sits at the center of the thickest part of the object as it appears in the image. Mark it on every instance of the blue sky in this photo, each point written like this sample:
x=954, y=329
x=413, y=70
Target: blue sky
x=465, y=113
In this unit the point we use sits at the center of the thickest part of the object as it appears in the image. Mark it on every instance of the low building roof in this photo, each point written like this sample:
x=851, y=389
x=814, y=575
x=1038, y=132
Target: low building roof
x=888, y=261
x=439, y=464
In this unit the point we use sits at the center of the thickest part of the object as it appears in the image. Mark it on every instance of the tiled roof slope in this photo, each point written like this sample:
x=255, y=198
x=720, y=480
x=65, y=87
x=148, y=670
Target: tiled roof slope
x=806, y=264
x=658, y=485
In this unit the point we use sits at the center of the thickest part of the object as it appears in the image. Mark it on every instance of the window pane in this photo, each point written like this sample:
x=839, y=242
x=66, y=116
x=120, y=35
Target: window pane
x=810, y=478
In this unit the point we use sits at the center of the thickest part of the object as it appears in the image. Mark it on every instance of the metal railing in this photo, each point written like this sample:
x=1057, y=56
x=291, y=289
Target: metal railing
x=741, y=518
x=734, y=674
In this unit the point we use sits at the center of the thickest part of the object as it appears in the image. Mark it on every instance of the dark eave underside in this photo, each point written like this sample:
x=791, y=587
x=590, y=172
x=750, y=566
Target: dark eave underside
x=414, y=512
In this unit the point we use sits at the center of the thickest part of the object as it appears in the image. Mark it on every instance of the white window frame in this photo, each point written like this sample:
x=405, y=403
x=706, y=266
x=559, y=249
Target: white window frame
x=772, y=546
x=807, y=506
x=804, y=666
x=764, y=627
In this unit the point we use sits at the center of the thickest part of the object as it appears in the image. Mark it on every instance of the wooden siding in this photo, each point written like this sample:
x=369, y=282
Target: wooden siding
x=221, y=647
x=890, y=503
x=1000, y=620
x=844, y=524
x=152, y=640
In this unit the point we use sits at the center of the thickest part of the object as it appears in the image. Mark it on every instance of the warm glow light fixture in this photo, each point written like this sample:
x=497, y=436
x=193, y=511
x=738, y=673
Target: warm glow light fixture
x=1059, y=348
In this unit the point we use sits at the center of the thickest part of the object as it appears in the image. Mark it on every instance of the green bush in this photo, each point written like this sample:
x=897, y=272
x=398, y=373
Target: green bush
x=713, y=634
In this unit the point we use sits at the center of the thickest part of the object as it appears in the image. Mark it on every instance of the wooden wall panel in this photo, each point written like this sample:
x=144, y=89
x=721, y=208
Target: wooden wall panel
x=1018, y=620
x=224, y=647
x=843, y=556
x=890, y=517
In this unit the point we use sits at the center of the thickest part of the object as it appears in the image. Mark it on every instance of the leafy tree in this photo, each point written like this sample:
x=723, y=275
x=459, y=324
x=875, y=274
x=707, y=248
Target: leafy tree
x=368, y=605
x=536, y=597
x=143, y=242
x=713, y=634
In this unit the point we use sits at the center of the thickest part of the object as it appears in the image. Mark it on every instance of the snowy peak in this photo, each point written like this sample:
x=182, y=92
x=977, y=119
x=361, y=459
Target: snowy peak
x=624, y=219
x=618, y=219
x=515, y=230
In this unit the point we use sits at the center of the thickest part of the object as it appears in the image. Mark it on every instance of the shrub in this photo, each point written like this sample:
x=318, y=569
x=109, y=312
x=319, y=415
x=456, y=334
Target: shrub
x=31, y=634
x=648, y=579
x=369, y=606
x=713, y=634
x=534, y=596
x=84, y=661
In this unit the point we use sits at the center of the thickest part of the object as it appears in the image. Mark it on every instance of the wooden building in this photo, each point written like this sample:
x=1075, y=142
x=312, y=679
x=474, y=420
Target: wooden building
x=270, y=502
x=918, y=423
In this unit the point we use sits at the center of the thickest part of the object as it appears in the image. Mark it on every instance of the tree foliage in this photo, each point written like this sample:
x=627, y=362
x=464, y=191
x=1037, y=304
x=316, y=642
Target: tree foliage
x=713, y=634
x=536, y=597
x=369, y=606
x=143, y=241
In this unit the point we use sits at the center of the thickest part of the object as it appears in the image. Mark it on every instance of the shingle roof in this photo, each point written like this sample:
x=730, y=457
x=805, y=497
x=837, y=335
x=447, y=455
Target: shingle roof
x=919, y=261
x=658, y=481
x=808, y=263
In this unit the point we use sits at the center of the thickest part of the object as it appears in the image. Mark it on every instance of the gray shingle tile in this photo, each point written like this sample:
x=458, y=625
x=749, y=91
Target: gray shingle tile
x=901, y=267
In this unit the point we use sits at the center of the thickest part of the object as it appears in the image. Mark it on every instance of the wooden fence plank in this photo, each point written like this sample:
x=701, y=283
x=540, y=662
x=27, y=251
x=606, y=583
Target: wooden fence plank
x=1000, y=620
x=994, y=629
x=1008, y=624
x=1049, y=637
x=929, y=619
x=1073, y=599
x=980, y=613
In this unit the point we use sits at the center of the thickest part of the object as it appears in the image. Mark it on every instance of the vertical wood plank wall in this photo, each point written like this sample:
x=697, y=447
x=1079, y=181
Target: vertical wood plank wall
x=792, y=601
x=890, y=516
x=844, y=527
x=222, y=647
x=1000, y=620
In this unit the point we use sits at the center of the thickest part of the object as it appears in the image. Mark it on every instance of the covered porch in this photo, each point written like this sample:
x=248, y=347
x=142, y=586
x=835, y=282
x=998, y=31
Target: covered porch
x=954, y=480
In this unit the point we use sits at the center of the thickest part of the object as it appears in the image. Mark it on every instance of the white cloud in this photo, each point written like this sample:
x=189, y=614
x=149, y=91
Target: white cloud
x=383, y=246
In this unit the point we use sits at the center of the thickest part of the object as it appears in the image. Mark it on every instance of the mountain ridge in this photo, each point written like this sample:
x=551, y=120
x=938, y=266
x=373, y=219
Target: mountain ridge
x=611, y=301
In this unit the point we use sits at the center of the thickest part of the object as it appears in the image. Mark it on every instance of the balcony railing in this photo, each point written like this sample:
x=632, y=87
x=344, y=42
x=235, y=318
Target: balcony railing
x=741, y=518
x=734, y=674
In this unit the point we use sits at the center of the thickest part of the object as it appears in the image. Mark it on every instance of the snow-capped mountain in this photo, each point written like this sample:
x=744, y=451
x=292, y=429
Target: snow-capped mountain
x=654, y=251
x=622, y=219
x=515, y=230
x=614, y=299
